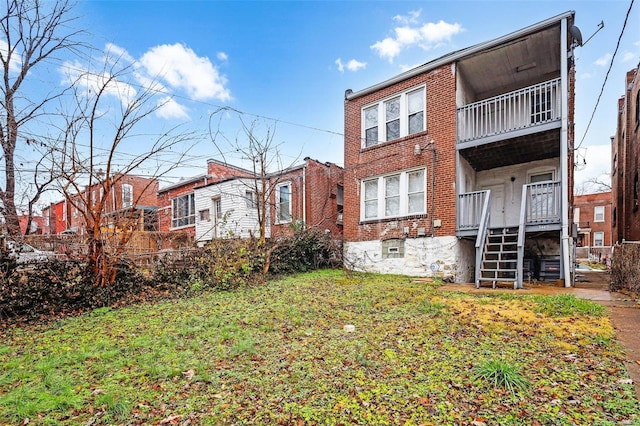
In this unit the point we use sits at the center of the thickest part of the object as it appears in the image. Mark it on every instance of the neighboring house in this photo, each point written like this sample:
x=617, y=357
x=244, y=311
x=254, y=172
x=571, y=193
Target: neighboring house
x=592, y=217
x=226, y=209
x=625, y=158
x=55, y=218
x=37, y=224
x=463, y=167
x=131, y=201
x=176, y=202
x=311, y=193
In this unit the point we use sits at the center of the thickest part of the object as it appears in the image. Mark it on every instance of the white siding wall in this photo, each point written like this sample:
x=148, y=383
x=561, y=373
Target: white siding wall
x=237, y=220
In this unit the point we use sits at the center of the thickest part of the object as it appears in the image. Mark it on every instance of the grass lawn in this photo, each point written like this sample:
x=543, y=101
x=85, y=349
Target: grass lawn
x=280, y=354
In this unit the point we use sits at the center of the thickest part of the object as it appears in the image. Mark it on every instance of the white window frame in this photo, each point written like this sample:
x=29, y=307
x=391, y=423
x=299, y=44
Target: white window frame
x=404, y=116
x=598, y=211
x=576, y=215
x=380, y=201
x=127, y=189
x=251, y=200
x=599, y=235
x=278, y=203
x=189, y=217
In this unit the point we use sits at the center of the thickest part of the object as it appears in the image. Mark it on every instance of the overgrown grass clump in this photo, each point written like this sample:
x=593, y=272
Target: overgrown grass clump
x=279, y=353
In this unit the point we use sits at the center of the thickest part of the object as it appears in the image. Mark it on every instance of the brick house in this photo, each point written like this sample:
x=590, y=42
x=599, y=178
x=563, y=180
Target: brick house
x=625, y=158
x=462, y=167
x=131, y=200
x=176, y=202
x=310, y=193
x=592, y=216
x=55, y=218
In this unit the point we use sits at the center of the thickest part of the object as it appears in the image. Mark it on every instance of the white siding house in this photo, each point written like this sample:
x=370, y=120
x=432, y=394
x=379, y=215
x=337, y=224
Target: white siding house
x=226, y=209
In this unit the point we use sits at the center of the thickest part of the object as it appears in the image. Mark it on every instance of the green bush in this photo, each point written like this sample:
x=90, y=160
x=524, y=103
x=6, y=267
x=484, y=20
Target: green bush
x=306, y=250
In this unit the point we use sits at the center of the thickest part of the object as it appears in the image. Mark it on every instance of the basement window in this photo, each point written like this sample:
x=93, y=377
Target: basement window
x=392, y=249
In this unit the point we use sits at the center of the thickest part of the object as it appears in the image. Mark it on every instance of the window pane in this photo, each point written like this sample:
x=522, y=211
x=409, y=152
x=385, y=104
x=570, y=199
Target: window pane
x=392, y=108
x=392, y=196
x=416, y=181
x=415, y=101
x=392, y=185
x=416, y=122
x=393, y=130
x=392, y=206
x=416, y=203
x=284, y=204
x=371, y=199
x=371, y=190
x=371, y=117
x=371, y=136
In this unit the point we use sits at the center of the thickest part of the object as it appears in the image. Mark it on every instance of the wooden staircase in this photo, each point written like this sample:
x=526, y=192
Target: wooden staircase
x=500, y=257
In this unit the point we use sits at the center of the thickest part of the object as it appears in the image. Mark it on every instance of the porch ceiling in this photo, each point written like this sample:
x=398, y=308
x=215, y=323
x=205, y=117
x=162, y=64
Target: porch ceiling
x=523, y=149
x=495, y=71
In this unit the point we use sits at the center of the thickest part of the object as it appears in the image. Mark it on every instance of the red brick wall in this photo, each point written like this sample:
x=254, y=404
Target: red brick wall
x=398, y=155
x=587, y=203
x=314, y=191
x=164, y=206
x=633, y=140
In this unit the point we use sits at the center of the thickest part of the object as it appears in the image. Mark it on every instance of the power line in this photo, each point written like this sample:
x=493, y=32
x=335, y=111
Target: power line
x=624, y=25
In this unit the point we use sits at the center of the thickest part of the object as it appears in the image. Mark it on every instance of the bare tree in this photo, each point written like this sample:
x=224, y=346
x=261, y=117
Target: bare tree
x=99, y=147
x=31, y=31
x=256, y=145
x=600, y=183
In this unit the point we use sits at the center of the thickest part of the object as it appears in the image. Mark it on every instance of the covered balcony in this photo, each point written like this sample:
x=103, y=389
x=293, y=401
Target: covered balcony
x=532, y=109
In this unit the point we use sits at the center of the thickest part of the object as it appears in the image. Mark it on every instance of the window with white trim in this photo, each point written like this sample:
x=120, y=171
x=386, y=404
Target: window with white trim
x=598, y=239
x=183, y=210
x=251, y=200
x=127, y=195
x=396, y=195
x=283, y=202
x=598, y=214
x=393, y=118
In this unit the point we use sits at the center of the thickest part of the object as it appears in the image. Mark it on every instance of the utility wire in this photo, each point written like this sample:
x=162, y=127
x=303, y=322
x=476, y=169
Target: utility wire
x=624, y=25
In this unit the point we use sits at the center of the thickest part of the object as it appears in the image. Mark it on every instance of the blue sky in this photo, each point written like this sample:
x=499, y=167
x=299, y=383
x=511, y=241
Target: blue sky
x=293, y=60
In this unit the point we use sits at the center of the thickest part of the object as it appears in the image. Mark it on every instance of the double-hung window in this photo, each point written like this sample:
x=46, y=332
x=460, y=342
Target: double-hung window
x=183, y=210
x=395, y=195
x=283, y=202
x=393, y=118
x=598, y=214
x=127, y=195
x=598, y=239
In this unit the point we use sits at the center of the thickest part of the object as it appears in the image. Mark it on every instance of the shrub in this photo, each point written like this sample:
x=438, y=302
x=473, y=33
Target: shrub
x=306, y=250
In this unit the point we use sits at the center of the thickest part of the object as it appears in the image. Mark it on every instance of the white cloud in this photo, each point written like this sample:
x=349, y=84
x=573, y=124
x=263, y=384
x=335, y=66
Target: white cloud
x=353, y=65
x=169, y=108
x=603, y=60
x=410, y=18
x=584, y=76
x=16, y=61
x=93, y=82
x=222, y=56
x=411, y=33
x=181, y=68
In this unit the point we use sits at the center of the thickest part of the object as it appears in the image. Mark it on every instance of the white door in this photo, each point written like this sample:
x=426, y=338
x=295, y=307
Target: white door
x=496, y=205
x=217, y=216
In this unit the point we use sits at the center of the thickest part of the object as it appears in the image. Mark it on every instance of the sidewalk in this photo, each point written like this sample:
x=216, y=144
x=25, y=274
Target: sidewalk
x=624, y=312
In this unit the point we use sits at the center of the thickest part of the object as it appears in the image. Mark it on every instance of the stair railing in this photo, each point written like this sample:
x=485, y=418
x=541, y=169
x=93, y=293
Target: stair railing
x=521, y=232
x=481, y=238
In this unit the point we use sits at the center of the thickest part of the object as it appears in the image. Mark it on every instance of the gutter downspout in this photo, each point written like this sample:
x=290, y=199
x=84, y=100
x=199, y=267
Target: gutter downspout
x=304, y=194
x=564, y=154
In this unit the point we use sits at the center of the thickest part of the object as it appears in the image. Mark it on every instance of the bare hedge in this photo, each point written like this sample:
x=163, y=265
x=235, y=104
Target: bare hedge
x=625, y=267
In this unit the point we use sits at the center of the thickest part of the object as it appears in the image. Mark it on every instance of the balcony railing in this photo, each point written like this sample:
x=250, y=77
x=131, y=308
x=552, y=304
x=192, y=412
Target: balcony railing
x=469, y=209
x=523, y=108
x=543, y=203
